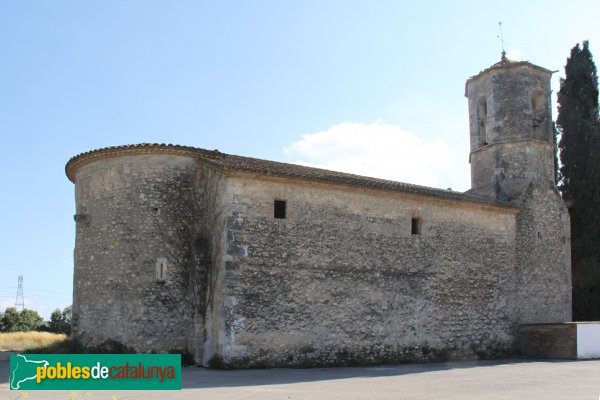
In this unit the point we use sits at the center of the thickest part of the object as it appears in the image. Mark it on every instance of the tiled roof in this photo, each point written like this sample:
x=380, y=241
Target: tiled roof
x=504, y=64
x=273, y=168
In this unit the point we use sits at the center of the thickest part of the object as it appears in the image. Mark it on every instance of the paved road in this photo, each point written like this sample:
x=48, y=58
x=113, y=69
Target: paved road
x=490, y=380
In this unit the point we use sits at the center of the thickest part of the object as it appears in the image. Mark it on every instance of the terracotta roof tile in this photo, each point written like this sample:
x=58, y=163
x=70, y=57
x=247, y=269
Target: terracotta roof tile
x=255, y=165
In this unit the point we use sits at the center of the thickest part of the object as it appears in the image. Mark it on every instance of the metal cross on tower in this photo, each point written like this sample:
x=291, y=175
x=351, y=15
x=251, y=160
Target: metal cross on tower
x=20, y=301
x=501, y=37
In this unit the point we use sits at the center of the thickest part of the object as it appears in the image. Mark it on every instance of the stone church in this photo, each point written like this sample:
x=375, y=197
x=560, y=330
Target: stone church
x=252, y=262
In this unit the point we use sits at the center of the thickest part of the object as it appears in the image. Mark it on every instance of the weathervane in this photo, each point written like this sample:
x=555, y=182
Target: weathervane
x=501, y=37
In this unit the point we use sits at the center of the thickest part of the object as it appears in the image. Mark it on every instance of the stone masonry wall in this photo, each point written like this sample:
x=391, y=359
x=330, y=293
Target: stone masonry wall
x=206, y=251
x=505, y=169
x=213, y=200
x=544, y=257
x=510, y=123
x=510, y=112
x=133, y=212
x=342, y=279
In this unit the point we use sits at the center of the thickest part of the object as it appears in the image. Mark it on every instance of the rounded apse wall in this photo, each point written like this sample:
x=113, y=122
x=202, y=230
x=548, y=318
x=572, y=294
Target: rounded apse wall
x=135, y=217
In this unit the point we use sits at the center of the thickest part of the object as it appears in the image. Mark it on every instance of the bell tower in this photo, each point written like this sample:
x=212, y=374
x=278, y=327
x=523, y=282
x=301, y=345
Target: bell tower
x=510, y=123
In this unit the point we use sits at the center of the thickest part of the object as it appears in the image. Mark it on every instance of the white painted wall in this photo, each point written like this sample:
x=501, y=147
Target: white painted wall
x=588, y=340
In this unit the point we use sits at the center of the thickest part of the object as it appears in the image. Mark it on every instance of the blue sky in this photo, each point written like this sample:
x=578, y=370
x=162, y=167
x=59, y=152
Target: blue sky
x=372, y=87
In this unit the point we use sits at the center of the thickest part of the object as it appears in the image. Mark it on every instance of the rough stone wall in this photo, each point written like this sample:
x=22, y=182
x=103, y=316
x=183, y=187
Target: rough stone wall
x=340, y=280
x=343, y=280
x=509, y=93
x=133, y=211
x=213, y=201
x=504, y=170
x=207, y=251
x=544, y=257
x=510, y=104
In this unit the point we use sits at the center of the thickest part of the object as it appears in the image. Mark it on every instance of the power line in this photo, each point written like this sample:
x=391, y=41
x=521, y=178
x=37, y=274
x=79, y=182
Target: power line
x=29, y=289
x=48, y=297
x=30, y=294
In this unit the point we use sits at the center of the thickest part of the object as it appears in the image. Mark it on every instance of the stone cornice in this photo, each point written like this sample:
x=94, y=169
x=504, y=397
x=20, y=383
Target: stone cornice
x=510, y=141
x=509, y=64
x=128, y=150
x=471, y=201
x=233, y=163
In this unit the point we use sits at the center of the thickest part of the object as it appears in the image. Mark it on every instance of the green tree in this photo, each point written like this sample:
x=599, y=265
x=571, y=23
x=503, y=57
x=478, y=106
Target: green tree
x=580, y=176
x=8, y=319
x=14, y=321
x=555, y=134
x=60, y=321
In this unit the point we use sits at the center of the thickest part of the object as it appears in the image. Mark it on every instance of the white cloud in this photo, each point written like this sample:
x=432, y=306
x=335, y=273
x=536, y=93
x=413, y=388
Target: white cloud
x=514, y=54
x=377, y=150
x=5, y=303
x=43, y=309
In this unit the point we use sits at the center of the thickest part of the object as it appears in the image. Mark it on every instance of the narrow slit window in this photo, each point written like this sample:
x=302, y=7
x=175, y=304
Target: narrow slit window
x=482, y=118
x=415, y=227
x=279, y=209
x=161, y=269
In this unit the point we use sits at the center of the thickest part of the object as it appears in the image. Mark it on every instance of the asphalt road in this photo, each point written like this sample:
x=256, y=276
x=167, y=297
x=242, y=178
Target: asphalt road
x=502, y=379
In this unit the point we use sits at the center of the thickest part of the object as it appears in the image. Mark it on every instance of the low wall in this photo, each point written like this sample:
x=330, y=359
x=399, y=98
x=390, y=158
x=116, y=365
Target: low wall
x=588, y=340
x=576, y=340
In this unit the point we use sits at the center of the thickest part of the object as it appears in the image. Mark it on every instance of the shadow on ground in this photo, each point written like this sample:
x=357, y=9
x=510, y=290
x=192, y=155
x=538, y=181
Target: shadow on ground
x=195, y=377
x=4, y=366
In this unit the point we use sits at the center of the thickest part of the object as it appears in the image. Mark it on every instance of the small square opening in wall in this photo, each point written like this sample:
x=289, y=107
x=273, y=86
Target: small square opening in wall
x=279, y=209
x=415, y=227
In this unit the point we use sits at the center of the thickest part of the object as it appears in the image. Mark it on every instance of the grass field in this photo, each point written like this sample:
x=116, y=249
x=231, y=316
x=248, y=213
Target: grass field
x=28, y=341
x=54, y=343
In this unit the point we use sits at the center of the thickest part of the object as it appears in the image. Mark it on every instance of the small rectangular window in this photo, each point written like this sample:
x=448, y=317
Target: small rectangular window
x=279, y=209
x=415, y=226
x=161, y=269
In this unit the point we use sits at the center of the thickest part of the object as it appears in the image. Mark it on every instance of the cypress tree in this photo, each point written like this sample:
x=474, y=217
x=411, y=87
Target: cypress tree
x=579, y=147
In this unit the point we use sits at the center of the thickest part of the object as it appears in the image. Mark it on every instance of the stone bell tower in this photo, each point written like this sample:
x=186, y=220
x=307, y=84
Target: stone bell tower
x=512, y=159
x=510, y=127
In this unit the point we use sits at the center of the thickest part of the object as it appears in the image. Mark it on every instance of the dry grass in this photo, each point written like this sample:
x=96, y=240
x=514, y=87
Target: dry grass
x=24, y=341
